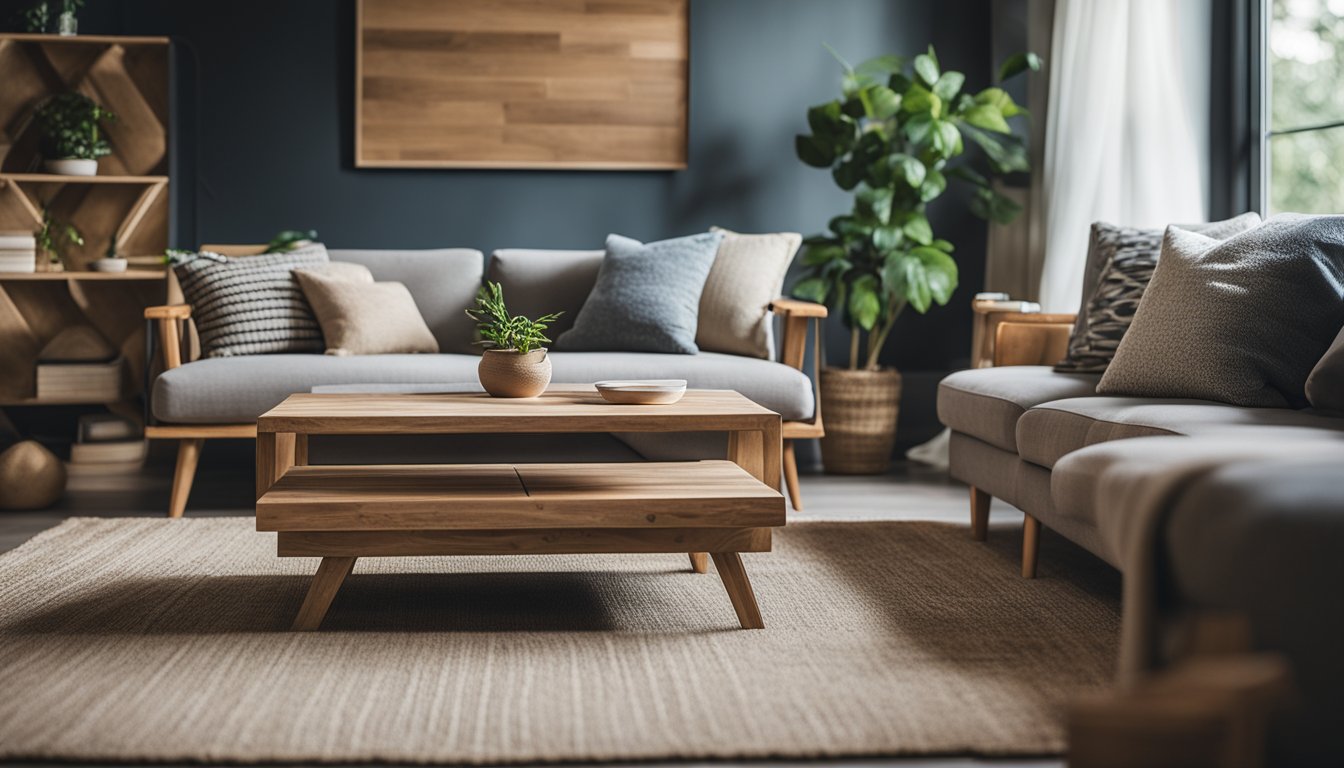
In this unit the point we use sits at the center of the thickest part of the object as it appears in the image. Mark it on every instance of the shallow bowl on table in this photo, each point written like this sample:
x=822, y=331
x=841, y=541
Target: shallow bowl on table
x=651, y=392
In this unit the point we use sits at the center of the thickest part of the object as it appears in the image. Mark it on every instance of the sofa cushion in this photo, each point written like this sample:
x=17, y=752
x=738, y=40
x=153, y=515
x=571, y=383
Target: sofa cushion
x=1051, y=430
x=987, y=402
x=365, y=318
x=538, y=282
x=443, y=282
x=1239, y=321
x=747, y=275
x=239, y=389
x=1325, y=383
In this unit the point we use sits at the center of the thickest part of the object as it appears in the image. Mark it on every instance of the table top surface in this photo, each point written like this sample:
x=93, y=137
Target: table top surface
x=562, y=408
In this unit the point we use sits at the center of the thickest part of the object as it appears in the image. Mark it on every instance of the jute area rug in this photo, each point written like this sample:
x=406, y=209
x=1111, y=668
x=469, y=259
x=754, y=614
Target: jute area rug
x=165, y=640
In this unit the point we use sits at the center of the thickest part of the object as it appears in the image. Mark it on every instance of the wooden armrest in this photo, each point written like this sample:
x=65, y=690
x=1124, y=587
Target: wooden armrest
x=168, y=312
x=1031, y=343
x=797, y=308
x=1044, y=318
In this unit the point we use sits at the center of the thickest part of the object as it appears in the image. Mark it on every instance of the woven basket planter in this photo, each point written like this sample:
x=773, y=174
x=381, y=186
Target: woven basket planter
x=861, y=409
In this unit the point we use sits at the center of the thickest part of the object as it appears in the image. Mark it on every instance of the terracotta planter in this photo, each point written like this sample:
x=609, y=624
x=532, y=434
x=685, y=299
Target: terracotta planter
x=505, y=373
x=861, y=409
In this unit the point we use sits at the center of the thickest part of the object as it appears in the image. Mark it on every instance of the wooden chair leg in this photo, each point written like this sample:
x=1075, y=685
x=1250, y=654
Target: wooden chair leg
x=734, y=575
x=791, y=476
x=326, y=583
x=979, y=514
x=1031, y=543
x=188, y=456
x=700, y=562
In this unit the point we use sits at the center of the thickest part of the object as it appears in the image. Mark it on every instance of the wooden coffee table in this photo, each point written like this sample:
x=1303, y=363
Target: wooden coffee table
x=342, y=513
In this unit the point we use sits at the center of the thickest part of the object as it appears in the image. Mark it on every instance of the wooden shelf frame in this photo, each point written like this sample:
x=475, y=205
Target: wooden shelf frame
x=130, y=275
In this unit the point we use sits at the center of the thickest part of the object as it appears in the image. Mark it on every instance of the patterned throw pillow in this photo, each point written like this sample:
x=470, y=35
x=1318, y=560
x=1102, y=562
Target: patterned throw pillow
x=1121, y=261
x=250, y=305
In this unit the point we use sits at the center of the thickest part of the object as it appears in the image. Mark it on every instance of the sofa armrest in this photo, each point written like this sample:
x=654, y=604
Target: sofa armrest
x=168, y=320
x=1031, y=343
x=985, y=331
x=785, y=307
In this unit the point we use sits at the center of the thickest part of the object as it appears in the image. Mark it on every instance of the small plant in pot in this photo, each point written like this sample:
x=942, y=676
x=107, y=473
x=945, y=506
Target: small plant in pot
x=889, y=139
x=111, y=261
x=515, y=363
x=72, y=139
x=52, y=238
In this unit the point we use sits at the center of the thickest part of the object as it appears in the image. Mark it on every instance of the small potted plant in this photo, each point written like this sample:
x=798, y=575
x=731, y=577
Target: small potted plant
x=52, y=237
x=72, y=140
x=514, y=363
x=68, y=24
x=111, y=261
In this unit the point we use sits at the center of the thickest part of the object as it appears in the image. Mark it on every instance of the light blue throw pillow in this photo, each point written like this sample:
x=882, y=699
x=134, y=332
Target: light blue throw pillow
x=647, y=297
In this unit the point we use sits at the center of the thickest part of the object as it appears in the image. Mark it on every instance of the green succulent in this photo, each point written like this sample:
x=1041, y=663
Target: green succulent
x=889, y=140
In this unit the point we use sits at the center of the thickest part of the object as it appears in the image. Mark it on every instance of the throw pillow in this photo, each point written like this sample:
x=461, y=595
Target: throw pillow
x=747, y=275
x=365, y=318
x=250, y=305
x=1120, y=262
x=539, y=282
x=1239, y=321
x=1325, y=383
x=647, y=296
x=342, y=270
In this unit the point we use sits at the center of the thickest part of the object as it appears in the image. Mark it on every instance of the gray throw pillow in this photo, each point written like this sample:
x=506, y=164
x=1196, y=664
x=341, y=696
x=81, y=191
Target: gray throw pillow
x=1325, y=383
x=250, y=305
x=1239, y=321
x=647, y=296
x=1120, y=262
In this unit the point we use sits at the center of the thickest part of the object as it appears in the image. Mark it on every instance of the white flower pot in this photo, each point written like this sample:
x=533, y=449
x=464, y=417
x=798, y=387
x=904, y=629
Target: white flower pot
x=72, y=166
x=109, y=265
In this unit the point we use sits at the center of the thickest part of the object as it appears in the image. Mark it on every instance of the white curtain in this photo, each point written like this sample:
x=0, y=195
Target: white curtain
x=1119, y=142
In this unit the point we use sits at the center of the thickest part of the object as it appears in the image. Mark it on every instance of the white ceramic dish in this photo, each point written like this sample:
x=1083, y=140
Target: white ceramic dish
x=649, y=392
x=109, y=265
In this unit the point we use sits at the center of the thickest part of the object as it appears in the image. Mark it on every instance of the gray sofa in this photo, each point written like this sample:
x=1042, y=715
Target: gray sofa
x=1208, y=509
x=222, y=397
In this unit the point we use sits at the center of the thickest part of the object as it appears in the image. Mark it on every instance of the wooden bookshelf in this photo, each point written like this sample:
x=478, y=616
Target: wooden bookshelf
x=126, y=204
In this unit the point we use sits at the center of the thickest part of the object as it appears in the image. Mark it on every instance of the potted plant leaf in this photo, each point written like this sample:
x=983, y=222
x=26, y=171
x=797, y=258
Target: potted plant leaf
x=51, y=239
x=890, y=139
x=514, y=363
x=72, y=139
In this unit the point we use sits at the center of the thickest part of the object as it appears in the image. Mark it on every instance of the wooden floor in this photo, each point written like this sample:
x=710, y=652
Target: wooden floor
x=224, y=487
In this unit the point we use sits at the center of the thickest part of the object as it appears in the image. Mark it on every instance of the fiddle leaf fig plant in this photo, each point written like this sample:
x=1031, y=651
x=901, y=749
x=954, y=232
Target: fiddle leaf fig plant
x=889, y=139
x=503, y=331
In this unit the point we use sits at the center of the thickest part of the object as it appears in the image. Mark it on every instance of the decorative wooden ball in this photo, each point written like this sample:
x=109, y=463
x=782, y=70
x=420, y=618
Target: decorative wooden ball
x=31, y=477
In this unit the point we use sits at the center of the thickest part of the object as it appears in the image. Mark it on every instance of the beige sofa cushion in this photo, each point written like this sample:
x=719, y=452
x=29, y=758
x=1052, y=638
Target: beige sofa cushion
x=748, y=274
x=365, y=318
x=1049, y=431
x=539, y=282
x=987, y=402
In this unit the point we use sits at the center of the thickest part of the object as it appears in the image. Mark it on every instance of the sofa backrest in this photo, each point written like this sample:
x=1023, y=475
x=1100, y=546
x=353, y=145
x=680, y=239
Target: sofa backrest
x=537, y=282
x=443, y=282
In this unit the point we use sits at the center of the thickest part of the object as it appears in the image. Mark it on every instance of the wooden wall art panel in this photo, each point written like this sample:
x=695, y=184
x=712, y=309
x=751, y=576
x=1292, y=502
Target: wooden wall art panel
x=596, y=84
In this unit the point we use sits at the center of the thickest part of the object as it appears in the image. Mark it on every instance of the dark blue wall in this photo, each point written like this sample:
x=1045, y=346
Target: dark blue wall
x=265, y=115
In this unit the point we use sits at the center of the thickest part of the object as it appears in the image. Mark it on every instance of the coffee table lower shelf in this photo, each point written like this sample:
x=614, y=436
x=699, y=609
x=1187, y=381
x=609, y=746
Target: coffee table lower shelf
x=342, y=513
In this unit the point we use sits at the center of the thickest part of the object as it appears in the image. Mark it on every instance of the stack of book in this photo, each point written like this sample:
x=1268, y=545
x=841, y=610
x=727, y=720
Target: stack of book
x=18, y=252
x=106, y=444
x=80, y=382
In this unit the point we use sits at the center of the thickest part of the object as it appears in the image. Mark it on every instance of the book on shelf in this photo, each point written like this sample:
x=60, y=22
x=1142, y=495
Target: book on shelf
x=12, y=260
x=106, y=427
x=95, y=382
x=111, y=452
x=17, y=241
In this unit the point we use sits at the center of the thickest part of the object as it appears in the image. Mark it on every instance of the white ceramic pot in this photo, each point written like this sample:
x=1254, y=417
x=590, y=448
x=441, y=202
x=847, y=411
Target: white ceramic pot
x=73, y=166
x=109, y=265
x=505, y=373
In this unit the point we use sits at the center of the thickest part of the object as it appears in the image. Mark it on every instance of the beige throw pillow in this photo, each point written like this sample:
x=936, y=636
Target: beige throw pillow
x=365, y=318
x=748, y=274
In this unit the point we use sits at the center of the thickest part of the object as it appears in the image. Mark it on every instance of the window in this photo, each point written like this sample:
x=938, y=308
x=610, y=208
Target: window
x=1305, y=73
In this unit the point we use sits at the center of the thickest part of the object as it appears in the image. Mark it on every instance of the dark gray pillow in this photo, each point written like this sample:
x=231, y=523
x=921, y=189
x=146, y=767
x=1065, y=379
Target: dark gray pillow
x=647, y=296
x=1239, y=321
x=250, y=305
x=1325, y=383
x=1120, y=262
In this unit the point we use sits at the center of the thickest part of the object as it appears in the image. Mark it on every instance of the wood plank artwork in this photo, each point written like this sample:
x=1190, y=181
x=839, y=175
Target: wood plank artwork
x=588, y=84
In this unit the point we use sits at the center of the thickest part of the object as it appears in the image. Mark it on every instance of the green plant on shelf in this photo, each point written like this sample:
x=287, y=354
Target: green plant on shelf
x=54, y=236
x=70, y=125
x=36, y=18
x=503, y=331
x=889, y=139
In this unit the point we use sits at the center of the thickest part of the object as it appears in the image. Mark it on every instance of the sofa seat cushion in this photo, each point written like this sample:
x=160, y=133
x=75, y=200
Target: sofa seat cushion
x=986, y=403
x=239, y=389
x=1049, y=431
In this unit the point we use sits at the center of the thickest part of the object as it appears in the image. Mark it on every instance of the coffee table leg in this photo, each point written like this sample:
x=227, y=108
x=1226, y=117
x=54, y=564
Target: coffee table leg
x=700, y=562
x=729, y=565
x=331, y=574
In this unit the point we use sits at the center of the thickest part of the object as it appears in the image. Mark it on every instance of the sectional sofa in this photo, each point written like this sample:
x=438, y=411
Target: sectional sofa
x=195, y=400
x=1226, y=522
